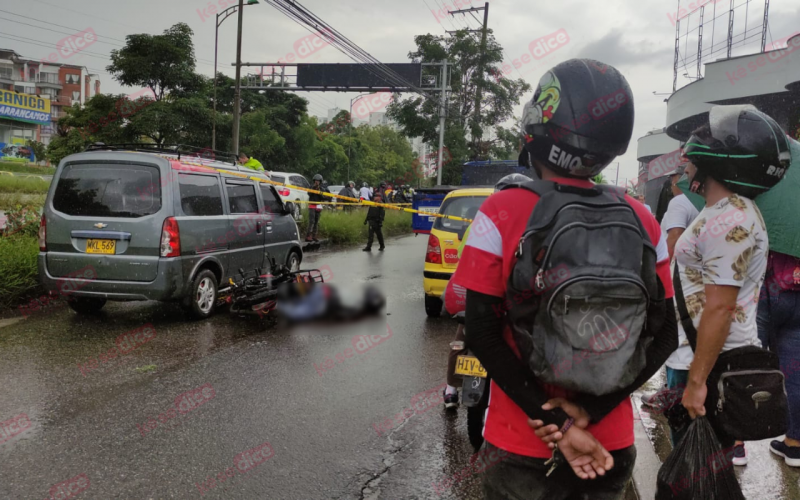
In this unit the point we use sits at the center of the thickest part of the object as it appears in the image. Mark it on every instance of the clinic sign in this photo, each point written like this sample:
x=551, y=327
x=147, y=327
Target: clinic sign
x=24, y=108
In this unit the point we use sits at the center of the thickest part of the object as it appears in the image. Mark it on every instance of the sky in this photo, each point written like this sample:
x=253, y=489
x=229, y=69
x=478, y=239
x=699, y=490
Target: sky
x=636, y=36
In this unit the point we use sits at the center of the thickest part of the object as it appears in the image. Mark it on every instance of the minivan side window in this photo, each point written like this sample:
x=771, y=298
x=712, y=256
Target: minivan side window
x=108, y=190
x=272, y=204
x=242, y=198
x=200, y=195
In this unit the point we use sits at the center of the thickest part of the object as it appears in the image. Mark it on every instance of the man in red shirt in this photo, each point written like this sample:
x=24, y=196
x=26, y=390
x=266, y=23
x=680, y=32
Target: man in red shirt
x=580, y=119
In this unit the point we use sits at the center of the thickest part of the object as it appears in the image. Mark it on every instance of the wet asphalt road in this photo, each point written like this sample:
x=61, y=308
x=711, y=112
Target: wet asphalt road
x=323, y=419
x=263, y=385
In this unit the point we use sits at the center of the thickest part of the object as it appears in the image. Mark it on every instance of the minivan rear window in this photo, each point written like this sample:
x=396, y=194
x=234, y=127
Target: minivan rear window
x=99, y=190
x=459, y=206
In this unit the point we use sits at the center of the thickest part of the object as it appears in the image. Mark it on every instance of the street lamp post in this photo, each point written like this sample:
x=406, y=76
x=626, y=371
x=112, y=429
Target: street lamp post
x=350, y=142
x=225, y=14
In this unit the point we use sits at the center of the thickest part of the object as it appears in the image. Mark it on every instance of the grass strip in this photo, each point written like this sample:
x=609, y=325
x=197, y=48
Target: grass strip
x=18, y=257
x=25, y=168
x=27, y=185
x=343, y=227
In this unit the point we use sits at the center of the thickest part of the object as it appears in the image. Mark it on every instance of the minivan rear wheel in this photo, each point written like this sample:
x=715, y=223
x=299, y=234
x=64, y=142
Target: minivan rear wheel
x=203, y=295
x=86, y=305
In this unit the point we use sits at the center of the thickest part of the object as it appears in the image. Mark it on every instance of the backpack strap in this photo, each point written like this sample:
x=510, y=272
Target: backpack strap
x=680, y=301
x=541, y=188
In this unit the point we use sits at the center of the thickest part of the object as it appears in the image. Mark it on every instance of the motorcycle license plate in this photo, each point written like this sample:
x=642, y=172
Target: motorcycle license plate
x=470, y=366
x=101, y=246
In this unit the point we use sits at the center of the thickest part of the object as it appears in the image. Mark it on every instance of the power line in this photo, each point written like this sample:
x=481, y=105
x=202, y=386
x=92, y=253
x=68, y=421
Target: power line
x=36, y=42
x=75, y=30
x=55, y=24
x=295, y=11
x=86, y=14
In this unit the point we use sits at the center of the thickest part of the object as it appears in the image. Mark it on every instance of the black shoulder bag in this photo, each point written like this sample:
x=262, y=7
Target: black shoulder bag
x=746, y=391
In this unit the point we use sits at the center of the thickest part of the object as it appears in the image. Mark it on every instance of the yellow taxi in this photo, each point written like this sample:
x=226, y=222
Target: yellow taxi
x=441, y=257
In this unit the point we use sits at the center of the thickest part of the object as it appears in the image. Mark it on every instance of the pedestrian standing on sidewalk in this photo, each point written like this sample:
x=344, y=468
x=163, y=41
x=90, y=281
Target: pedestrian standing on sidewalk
x=365, y=193
x=375, y=217
x=594, y=434
x=722, y=258
x=350, y=191
x=779, y=331
x=680, y=215
x=314, y=209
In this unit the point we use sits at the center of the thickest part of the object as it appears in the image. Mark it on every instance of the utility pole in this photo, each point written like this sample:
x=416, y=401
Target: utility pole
x=442, y=113
x=237, y=94
x=476, y=120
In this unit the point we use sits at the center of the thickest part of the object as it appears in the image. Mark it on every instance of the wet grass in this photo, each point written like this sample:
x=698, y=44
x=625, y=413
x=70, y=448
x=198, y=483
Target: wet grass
x=28, y=185
x=348, y=228
x=18, y=268
x=25, y=168
x=11, y=200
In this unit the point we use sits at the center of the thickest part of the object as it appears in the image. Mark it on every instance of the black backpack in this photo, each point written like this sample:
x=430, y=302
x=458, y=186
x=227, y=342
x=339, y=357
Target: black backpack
x=579, y=292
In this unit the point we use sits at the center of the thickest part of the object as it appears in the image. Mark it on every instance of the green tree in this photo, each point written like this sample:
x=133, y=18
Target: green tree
x=103, y=118
x=419, y=115
x=39, y=149
x=259, y=138
x=164, y=63
x=507, y=144
x=168, y=121
x=64, y=144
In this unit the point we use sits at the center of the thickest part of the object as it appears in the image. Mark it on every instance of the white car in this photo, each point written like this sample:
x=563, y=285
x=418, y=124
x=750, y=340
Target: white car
x=290, y=195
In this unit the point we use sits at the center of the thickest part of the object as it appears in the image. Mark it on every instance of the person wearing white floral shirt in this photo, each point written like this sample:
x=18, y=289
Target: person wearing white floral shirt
x=722, y=257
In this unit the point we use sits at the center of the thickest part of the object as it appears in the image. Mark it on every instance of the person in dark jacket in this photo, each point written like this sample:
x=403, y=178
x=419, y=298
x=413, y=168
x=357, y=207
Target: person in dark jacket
x=375, y=217
x=314, y=210
x=350, y=191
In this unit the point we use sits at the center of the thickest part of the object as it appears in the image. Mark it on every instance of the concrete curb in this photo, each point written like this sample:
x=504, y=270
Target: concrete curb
x=647, y=462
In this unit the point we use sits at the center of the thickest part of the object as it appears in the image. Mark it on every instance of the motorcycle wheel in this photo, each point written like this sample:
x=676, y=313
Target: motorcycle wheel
x=475, y=426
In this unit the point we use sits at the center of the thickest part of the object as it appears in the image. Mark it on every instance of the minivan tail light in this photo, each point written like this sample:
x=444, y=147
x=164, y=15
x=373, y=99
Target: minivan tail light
x=434, y=253
x=283, y=192
x=43, y=234
x=170, y=238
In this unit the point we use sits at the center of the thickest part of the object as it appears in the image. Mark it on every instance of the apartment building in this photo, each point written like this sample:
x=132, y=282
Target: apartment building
x=33, y=95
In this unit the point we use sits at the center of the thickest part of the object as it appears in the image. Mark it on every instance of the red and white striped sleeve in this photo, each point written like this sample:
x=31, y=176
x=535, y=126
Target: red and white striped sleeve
x=481, y=266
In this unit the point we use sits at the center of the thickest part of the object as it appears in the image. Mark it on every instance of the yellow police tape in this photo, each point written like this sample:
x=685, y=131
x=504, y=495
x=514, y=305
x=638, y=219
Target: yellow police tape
x=337, y=203
x=330, y=195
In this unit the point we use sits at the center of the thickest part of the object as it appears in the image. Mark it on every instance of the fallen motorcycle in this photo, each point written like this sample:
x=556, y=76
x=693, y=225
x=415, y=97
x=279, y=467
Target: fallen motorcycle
x=256, y=293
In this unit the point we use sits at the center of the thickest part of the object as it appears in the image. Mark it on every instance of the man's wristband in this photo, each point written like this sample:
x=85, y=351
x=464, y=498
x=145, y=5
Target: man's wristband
x=567, y=425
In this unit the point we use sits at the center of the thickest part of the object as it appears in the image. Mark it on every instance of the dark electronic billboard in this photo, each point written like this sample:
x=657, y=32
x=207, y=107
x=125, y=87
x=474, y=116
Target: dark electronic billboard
x=356, y=76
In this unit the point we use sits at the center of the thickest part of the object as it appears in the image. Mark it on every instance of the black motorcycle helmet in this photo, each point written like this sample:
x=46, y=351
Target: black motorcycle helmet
x=580, y=119
x=510, y=179
x=740, y=147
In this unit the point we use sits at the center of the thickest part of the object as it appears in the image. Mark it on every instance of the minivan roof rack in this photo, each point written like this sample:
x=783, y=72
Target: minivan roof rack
x=175, y=149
